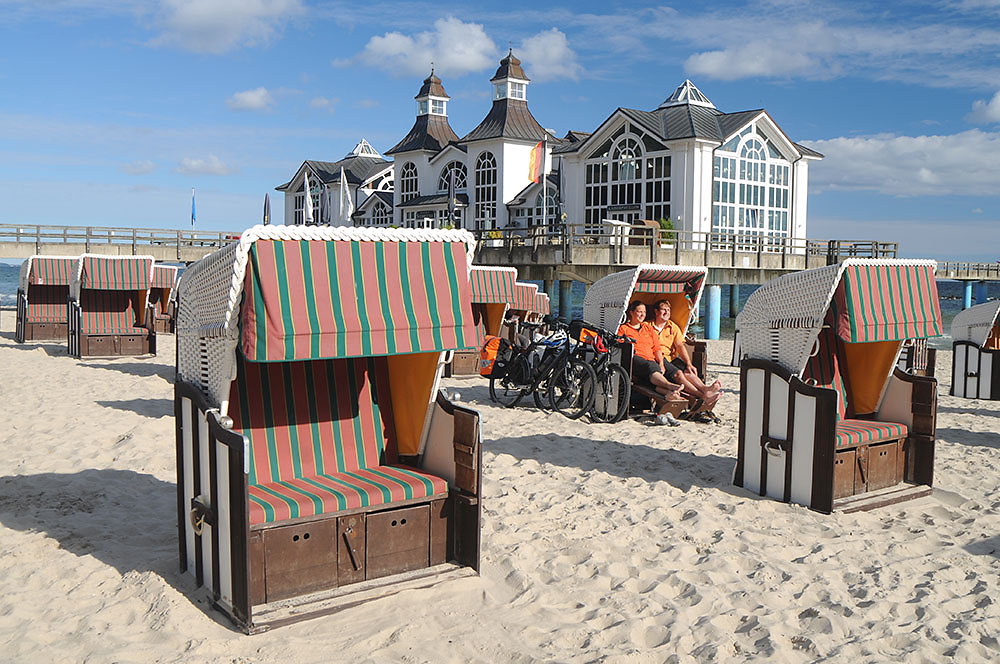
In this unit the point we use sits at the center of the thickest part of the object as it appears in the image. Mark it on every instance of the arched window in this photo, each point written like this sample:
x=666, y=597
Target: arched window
x=381, y=214
x=316, y=189
x=486, y=192
x=460, y=177
x=550, y=214
x=750, y=192
x=627, y=178
x=408, y=182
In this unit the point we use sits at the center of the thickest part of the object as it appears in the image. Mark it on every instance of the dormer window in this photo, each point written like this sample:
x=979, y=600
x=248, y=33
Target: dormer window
x=517, y=90
x=437, y=106
x=500, y=90
x=422, y=107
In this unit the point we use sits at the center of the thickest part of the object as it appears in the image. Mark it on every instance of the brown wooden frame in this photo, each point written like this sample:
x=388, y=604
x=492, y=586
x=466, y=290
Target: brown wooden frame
x=963, y=348
x=81, y=345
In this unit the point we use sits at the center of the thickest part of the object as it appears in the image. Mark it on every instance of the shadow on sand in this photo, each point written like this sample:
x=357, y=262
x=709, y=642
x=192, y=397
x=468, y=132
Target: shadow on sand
x=986, y=547
x=166, y=372
x=964, y=437
x=146, y=407
x=125, y=519
x=965, y=411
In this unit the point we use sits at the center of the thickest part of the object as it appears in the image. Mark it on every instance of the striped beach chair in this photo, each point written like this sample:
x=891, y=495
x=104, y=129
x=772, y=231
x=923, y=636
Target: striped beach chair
x=492, y=293
x=108, y=306
x=318, y=463
x=607, y=300
x=975, y=371
x=162, y=297
x=529, y=305
x=42, y=297
x=827, y=420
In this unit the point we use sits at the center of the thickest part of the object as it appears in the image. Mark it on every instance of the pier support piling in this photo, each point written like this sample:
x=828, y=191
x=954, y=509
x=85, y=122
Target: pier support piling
x=966, y=294
x=565, y=287
x=734, y=300
x=712, y=319
x=547, y=287
x=981, y=291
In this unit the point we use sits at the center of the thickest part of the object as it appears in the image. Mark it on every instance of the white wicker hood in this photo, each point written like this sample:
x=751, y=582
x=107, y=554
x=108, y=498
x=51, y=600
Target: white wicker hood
x=974, y=324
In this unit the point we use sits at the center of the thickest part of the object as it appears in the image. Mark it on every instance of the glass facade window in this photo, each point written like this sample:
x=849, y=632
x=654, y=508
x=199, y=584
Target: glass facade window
x=486, y=192
x=300, y=203
x=407, y=182
x=750, y=192
x=437, y=106
x=460, y=177
x=381, y=214
x=499, y=90
x=517, y=90
x=422, y=107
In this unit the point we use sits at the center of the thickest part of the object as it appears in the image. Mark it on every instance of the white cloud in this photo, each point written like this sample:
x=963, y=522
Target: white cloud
x=139, y=167
x=547, y=56
x=455, y=48
x=985, y=112
x=218, y=26
x=964, y=164
x=367, y=103
x=210, y=165
x=258, y=99
x=323, y=103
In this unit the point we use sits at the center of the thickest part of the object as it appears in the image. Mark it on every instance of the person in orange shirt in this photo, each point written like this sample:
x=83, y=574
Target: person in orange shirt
x=674, y=360
x=646, y=363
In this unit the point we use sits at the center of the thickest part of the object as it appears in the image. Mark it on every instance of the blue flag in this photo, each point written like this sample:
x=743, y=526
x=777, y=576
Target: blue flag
x=193, y=216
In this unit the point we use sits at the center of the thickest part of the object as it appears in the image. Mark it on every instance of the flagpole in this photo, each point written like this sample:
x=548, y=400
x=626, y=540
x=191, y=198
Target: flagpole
x=545, y=191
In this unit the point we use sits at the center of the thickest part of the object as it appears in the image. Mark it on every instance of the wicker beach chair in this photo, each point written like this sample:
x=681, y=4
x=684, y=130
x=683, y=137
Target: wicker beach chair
x=529, y=305
x=318, y=464
x=826, y=418
x=109, y=306
x=608, y=298
x=492, y=293
x=975, y=333
x=162, y=296
x=42, y=296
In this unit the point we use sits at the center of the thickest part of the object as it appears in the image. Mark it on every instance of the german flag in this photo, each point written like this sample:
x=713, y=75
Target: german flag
x=537, y=162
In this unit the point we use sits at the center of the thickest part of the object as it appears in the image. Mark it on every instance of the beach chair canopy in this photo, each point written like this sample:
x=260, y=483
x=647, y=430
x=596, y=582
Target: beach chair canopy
x=975, y=323
x=843, y=325
x=47, y=271
x=162, y=289
x=305, y=293
x=607, y=299
x=113, y=292
x=493, y=289
x=542, y=303
x=112, y=273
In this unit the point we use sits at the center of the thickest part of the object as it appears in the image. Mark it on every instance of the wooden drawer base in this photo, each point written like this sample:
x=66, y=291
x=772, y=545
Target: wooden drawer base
x=867, y=468
x=104, y=345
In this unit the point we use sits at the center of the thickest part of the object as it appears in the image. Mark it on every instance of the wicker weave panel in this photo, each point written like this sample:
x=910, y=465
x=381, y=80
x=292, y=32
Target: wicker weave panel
x=607, y=298
x=974, y=324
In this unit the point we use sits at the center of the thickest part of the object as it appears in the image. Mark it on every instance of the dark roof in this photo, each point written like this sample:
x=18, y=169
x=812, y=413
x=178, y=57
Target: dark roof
x=357, y=169
x=432, y=86
x=807, y=152
x=522, y=196
x=510, y=67
x=429, y=132
x=729, y=123
x=384, y=196
x=508, y=118
x=435, y=199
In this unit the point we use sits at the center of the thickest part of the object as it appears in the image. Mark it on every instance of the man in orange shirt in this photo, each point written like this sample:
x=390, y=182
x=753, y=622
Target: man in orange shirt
x=675, y=362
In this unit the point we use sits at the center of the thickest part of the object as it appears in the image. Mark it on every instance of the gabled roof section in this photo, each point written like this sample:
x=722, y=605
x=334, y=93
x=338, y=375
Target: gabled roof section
x=429, y=133
x=432, y=87
x=453, y=150
x=357, y=170
x=730, y=123
x=508, y=118
x=510, y=67
x=461, y=200
x=687, y=93
x=363, y=149
x=383, y=196
x=808, y=152
x=523, y=196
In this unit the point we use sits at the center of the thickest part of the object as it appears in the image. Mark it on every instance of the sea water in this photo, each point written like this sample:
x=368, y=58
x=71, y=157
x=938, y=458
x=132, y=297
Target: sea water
x=950, y=293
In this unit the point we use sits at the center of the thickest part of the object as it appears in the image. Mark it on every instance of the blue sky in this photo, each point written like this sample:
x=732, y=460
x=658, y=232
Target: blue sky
x=111, y=111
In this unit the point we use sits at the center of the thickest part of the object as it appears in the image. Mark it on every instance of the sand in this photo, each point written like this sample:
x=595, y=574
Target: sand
x=619, y=543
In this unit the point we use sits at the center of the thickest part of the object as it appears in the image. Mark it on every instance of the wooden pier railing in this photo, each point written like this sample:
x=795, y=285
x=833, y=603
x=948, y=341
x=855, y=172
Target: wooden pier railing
x=18, y=240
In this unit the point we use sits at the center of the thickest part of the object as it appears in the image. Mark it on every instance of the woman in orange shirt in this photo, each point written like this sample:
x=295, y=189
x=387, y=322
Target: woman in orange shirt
x=646, y=358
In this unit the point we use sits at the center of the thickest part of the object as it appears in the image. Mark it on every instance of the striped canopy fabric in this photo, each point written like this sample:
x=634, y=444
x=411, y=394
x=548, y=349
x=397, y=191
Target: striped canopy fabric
x=118, y=273
x=47, y=304
x=164, y=276
x=524, y=297
x=108, y=312
x=337, y=299
x=492, y=285
x=541, y=304
x=660, y=280
x=887, y=303
x=47, y=271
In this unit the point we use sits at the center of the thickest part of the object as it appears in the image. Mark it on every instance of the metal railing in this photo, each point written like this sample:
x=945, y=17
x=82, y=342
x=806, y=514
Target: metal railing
x=668, y=245
x=92, y=238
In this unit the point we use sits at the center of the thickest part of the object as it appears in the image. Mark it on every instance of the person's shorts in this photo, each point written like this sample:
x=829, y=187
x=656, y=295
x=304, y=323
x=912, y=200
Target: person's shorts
x=642, y=369
x=673, y=367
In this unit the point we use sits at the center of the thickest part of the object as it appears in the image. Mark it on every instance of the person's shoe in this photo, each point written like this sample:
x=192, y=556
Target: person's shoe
x=667, y=419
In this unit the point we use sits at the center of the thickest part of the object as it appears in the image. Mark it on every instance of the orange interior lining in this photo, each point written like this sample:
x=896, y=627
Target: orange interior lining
x=680, y=307
x=411, y=378
x=993, y=341
x=493, y=317
x=868, y=364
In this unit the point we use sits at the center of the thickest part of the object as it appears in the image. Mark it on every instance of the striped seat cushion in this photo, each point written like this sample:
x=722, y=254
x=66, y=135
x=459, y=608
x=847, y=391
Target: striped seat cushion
x=47, y=304
x=851, y=433
x=108, y=312
x=326, y=493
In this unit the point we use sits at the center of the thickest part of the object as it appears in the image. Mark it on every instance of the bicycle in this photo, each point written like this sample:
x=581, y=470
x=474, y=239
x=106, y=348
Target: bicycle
x=546, y=364
x=613, y=389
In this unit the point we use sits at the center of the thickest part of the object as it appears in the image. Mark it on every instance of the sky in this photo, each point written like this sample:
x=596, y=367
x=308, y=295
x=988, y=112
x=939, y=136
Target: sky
x=112, y=110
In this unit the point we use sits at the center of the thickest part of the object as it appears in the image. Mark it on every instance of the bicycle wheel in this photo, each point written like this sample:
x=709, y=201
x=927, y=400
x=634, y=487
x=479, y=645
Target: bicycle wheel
x=611, y=398
x=571, y=388
x=506, y=389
